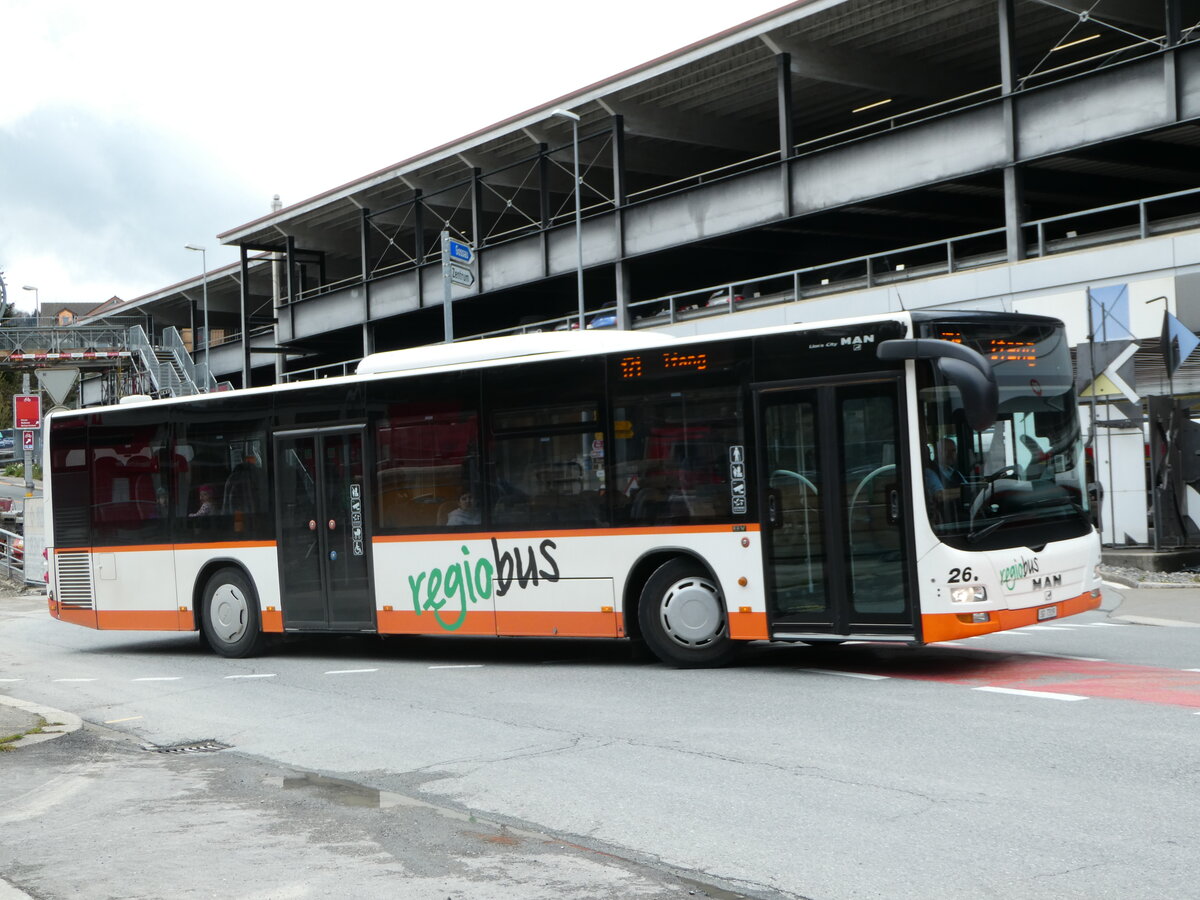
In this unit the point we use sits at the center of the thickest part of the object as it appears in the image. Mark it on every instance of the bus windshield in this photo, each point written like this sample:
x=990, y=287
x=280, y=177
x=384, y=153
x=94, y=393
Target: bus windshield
x=1020, y=482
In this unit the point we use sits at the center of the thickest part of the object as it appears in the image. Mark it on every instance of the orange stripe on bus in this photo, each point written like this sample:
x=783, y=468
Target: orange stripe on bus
x=84, y=617
x=751, y=626
x=559, y=624
x=949, y=626
x=507, y=624
x=573, y=532
x=140, y=620
x=400, y=621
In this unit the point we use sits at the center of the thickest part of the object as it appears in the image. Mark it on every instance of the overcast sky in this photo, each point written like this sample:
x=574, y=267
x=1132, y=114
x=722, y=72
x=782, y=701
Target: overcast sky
x=130, y=128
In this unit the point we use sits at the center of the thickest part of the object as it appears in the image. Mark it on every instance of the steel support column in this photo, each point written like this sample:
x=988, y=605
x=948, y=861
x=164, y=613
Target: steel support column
x=365, y=249
x=1174, y=31
x=245, y=312
x=290, y=254
x=419, y=240
x=476, y=239
x=787, y=131
x=368, y=339
x=543, y=167
x=620, y=271
x=1014, y=194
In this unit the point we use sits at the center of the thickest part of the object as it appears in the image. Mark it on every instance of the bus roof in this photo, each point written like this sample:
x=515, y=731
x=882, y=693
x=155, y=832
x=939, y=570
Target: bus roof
x=488, y=352
x=510, y=347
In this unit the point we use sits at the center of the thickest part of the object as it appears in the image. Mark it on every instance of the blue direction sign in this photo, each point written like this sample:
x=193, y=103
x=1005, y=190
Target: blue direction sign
x=460, y=252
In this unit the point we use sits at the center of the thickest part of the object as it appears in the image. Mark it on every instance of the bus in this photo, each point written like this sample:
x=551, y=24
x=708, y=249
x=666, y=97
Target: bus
x=908, y=478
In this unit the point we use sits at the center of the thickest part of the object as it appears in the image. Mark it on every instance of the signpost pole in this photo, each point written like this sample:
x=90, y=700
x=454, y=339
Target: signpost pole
x=447, y=309
x=458, y=267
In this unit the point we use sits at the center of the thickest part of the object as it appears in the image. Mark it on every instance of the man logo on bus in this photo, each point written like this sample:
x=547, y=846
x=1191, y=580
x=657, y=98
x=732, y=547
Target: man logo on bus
x=858, y=340
x=467, y=581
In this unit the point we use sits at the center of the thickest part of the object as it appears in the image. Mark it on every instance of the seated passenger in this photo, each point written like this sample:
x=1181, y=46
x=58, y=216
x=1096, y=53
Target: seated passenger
x=466, y=513
x=207, y=508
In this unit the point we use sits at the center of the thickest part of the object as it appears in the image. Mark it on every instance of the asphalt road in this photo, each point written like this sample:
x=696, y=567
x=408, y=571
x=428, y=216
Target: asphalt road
x=1055, y=762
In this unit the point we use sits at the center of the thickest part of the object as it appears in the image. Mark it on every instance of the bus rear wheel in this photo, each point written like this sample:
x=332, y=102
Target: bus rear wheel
x=229, y=619
x=682, y=616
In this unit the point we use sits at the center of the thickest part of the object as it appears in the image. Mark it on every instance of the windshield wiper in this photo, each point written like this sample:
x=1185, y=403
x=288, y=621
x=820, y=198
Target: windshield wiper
x=975, y=536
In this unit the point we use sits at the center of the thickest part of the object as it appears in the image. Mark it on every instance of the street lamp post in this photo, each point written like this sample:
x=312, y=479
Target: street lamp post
x=574, y=117
x=37, y=299
x=207, y=337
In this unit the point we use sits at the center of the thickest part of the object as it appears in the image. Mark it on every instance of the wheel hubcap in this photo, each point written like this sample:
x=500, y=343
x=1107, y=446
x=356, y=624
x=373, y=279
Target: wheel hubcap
x=692, y=614
x=227, y=613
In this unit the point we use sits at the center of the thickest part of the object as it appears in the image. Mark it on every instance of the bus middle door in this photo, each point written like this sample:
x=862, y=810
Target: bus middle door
x=323, y=531
x=833, y=504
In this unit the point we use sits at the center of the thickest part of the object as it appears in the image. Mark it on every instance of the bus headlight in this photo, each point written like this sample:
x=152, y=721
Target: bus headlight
x=974, y=594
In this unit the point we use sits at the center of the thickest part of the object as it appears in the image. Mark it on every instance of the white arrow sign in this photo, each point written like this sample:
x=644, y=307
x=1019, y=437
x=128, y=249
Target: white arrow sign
x=461, y=275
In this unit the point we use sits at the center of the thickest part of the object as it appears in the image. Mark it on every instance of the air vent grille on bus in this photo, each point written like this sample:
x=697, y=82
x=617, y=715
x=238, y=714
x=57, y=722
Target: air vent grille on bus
x=73, y=571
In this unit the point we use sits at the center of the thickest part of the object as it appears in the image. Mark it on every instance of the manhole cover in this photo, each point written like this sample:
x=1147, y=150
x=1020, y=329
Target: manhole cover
x=190, y=747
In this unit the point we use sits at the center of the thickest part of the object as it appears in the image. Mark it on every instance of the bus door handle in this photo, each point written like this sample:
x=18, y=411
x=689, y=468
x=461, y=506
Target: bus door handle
x=774, y=508
x=893, y=506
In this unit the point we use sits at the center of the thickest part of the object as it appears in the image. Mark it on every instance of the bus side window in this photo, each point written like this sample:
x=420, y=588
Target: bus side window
x=125, y=479
x=671, y=459
x=427, y=462
x=221, y=480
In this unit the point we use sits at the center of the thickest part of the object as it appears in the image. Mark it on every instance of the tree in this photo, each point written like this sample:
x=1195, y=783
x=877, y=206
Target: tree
x=10, y=378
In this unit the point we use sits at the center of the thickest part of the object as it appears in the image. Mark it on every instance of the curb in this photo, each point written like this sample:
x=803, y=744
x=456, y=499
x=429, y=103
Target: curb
x=62, y=722
x=1126, y=581
x=1147, y=620
x=8, y=892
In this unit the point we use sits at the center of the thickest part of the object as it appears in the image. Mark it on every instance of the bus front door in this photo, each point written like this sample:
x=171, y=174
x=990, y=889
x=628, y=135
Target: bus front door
x=833, y=524
x=324, y=544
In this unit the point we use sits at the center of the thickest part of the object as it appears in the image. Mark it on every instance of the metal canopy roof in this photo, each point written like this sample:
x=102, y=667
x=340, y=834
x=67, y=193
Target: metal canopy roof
x=715, y=102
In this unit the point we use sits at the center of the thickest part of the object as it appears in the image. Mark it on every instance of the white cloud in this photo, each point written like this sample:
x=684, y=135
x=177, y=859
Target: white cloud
x=141, y=126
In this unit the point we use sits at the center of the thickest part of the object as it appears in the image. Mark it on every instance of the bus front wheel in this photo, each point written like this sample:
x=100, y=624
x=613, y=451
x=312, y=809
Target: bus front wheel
x=682, y=615
x=229, y=619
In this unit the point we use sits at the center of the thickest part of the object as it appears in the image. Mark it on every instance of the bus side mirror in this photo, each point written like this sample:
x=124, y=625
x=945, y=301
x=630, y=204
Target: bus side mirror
x=966, y=369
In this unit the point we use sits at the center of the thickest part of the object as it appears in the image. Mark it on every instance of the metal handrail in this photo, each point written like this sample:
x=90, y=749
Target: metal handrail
x=12, y=564
x=868, y=271
x=314, y=373
x=199, y=379
x=143, y=351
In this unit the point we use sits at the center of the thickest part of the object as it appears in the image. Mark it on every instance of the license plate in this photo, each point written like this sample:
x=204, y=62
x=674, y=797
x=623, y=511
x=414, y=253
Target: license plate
x=1048, y=612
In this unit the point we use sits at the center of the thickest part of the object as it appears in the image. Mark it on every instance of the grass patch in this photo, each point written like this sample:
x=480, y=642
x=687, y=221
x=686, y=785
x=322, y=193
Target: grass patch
x=7, y=741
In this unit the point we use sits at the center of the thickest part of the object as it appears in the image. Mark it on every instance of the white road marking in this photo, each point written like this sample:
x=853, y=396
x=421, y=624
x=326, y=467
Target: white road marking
x=1063, y=656
x=848, y=674
x=1041, y=695
x=263, y=675
x=1039, y=628
x=1106, y=625
x=161, y=678
x=126, y=719
x=349, y=671
x=468, y=666
x=74, y=679
x=1191, y=670
x=10, y=680
x=1006, y=634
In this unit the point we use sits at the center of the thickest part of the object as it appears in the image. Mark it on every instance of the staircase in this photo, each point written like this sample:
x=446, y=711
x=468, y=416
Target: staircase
x=168, y=367
x=173, y=381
